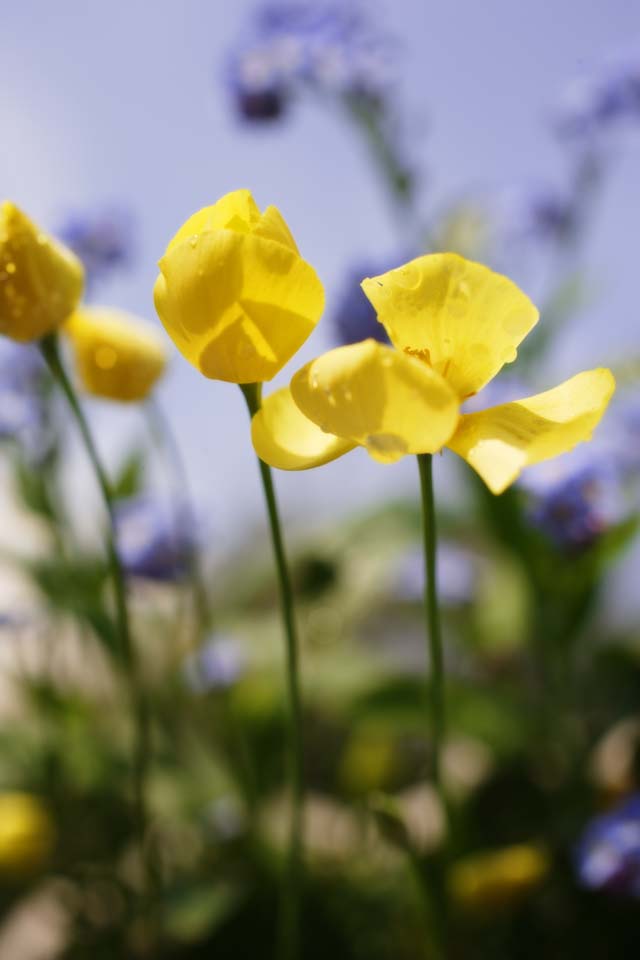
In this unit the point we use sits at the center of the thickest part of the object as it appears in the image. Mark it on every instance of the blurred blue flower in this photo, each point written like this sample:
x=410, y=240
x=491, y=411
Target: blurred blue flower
x=332, y=47
x=217, y=665
x=353, y=317
x=601, y=101
x=577, y=510
x=577, y=498
x=537, y=212
x=502, y=224
x=152, y=544
x=457, y=575
x=102, y=239
x=21, y=412
x=608, y=855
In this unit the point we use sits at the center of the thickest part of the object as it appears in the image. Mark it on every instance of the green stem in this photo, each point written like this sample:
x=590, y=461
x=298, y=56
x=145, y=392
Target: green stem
x=128, y=660
x=432, y=614
x=436, y=677
x=290, y=930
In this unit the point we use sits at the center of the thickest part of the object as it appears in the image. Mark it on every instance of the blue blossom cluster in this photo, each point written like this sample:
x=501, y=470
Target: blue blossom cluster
x=102, y=239
x=152, y=544
x=608, y=855
x=575, y=511
x=457, y=575
x=353, y=317
x=501, y=224
x=329, y=47
x=21, y=412
x=578, y=498
x=217, y=665
x=600, y=102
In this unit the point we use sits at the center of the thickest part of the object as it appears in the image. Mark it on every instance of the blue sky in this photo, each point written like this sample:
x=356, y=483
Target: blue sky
x=126, y=102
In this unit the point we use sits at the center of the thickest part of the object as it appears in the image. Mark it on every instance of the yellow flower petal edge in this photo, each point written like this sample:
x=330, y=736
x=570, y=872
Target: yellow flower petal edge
x=284, y=438
x=499, y=442
x=234, y=294
x=41, y=280
x=27, y=835
x=375, y=396
x=460, y=317
x=498, y=877
x=118, y=356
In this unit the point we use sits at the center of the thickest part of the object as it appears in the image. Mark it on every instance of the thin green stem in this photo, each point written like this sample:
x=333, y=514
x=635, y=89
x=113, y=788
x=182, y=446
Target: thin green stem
x=128, y=660
x=290, y=929
x=432, y=614
x=436, y=662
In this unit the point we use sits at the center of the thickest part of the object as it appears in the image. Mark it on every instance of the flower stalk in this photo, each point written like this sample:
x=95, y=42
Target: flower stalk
x=127, y=659
x=290, y=918
x=436, y=675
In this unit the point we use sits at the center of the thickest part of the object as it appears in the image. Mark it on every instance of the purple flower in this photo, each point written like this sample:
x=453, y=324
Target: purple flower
x=608, y=855
x=217, y=665
x=102, y=239
x=353, y=317
x=595, y=104
x=331, y=47
x=152, y=544
x=21, y=411
x=580, y=508
x=577, y=498
x=457, y=575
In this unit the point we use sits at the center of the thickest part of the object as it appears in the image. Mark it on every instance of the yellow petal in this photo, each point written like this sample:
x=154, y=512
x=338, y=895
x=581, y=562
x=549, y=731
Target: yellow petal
x=375, y=396
x=500, y=441
x=498, y=877
x=117, y=355
x=272, y=226
x=238, y=306
x=462, y=318
x=40, y=279
x=283, y=437
x=236, y=211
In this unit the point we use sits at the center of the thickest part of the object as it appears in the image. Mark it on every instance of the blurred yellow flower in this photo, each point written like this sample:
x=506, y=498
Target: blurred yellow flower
x=453, y=325
x=234, y=294
x=41, y=280
x=26, y=835
x=498, y=878
x=117, y=355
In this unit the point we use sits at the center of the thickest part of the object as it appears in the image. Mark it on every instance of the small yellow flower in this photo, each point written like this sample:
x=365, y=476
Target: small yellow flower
x=498, y=878
x=234, y=294
x=40, y=280
x=26, y=835
x=453, y=325
x=117, y=355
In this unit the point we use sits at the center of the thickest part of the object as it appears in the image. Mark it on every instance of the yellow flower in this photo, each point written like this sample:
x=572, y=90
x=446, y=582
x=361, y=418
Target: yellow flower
x=453, y=325
x=117, y=355
x=498, y=878
x=26, y=834
x=40, y=280
x=234, y=294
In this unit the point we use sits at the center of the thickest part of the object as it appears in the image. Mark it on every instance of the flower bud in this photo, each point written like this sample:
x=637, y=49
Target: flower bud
x=117, y=355
x=40, y=279
x=234, y=294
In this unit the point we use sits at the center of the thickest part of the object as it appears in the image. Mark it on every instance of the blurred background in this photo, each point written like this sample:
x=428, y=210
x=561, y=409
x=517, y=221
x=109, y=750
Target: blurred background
x=509, y=133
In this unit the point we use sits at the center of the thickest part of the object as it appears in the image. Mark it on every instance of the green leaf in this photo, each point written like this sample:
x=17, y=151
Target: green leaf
x=77, y=587
x=130, y=478
x=32, y=487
